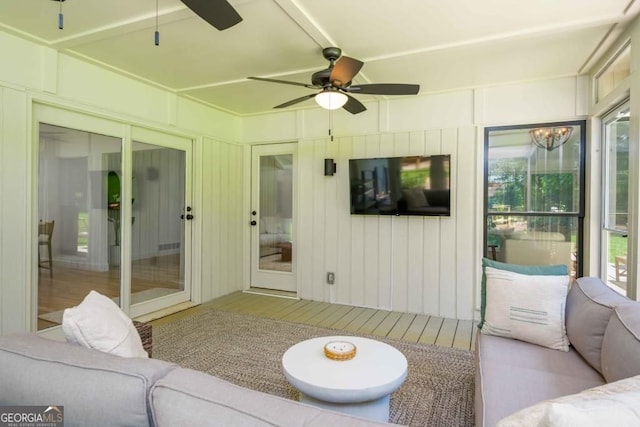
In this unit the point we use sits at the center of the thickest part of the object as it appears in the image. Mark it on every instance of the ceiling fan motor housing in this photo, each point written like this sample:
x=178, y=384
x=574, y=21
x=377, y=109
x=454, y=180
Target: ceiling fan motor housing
x=321, y=78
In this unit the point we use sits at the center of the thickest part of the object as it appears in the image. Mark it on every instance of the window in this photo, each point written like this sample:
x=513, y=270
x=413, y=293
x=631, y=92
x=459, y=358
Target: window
x=615, y=196
x=534, y=194
x=616, y=70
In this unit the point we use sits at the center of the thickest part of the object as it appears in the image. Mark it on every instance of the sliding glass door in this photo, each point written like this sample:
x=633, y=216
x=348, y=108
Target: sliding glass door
x=113, y=215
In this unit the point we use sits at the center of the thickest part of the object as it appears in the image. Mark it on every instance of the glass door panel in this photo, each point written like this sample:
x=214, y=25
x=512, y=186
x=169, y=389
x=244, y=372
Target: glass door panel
x=77, y=243
x=157, y=226
x=161, y=221
x=273, y=251
x=615, y=197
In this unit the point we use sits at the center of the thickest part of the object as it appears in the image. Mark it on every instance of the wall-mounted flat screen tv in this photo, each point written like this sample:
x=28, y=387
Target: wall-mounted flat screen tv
x=415, y=185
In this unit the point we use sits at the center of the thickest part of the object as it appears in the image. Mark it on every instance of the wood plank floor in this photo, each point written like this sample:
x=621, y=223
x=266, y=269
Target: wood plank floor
x=69, y=286
x=391, y=324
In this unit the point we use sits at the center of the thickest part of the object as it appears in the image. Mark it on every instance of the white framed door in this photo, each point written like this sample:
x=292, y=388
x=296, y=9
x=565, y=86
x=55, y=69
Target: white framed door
x=162, y=215
x=115, y=195
x=273, y=217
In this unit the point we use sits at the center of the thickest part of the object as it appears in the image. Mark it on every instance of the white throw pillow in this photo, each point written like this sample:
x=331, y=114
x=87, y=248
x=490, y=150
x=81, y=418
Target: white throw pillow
x=613, y=404
x=98, y=323
x=528, y=308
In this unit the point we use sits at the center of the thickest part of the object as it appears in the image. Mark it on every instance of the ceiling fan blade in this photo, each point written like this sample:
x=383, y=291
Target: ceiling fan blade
x=354, y=106
x=295, y=101
x=218, y=13
x=286, y=82
x=344, y=70
x=385, y=89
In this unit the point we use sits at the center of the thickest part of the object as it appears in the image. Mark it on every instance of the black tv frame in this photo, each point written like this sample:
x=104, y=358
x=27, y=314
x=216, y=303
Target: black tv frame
x=377, y=186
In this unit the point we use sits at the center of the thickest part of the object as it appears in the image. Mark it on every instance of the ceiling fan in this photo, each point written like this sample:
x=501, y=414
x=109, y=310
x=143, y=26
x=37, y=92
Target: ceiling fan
x=218, y=13
x=335, y=84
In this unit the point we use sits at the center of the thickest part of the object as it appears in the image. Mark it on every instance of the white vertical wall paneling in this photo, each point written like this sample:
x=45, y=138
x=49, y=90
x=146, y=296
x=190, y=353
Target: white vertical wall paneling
x=415, y=255
x=358, y=261
x=331, y=236
x=342, y=287
x=209, y=224
x=399, y=239
x=247, y=207
x=385, y=250
x=404, y=226
x=14, y=213
x=237, y=217
x=431, y=242
x=319, y=219
x=466, y=248
x=415, y=263
x=306, y=200
x=448, y=231
x=224, y=238
x=371, y=239
x=401, y=228
x=222, y=219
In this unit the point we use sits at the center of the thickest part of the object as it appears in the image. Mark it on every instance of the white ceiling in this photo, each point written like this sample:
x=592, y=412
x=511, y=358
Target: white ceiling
x=441, y=45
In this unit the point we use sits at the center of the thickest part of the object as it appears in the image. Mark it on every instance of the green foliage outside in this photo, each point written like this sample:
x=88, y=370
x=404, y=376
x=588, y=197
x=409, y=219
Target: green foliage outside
x=414, y=178
x=83, y=232
x=549, y=192
x=617, y=246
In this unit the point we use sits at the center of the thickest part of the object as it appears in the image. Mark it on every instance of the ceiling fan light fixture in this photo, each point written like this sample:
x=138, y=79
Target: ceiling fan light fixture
x=331, y=99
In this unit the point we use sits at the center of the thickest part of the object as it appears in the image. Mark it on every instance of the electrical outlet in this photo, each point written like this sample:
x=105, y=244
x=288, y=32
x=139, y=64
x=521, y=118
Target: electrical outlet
x=331, y=278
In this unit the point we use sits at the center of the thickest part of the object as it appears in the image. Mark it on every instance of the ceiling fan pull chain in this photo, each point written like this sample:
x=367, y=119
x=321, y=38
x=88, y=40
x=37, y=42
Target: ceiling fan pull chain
x=157, y=33
x=60, y=17
x=330, y=125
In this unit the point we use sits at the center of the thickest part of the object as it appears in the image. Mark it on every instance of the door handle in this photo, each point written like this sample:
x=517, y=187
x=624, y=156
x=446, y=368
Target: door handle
x=189, y=217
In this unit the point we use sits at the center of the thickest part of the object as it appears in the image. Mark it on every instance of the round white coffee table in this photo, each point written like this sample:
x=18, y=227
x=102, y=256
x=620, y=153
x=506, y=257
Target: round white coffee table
x=360, y=386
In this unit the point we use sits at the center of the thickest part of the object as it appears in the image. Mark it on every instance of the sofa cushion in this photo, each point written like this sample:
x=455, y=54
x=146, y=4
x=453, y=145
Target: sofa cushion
x=190, y=398
x=621, y=343
x=528, y=308
x=512, y=375
x=614, y=404
x=98, y=323
x=538, y=270
x=95, y=388
x=590, y=304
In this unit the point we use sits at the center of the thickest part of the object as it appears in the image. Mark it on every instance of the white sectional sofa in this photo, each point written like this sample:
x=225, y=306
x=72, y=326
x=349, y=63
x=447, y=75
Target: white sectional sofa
x=518, y=383
x=100, y=389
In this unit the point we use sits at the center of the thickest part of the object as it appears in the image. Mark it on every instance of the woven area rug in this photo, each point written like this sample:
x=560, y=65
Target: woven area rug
x=247, y=350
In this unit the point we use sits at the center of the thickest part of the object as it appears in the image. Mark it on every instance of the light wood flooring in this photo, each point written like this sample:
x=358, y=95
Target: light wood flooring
x=391, y=324
x=68, y=286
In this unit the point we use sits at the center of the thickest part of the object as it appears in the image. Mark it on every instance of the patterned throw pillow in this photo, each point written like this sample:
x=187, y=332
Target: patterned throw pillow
x=528, y=308
x=533, y=270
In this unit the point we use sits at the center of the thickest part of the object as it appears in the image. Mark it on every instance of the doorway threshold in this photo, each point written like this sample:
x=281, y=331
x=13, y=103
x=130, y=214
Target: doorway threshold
x=272, y=293
x=166, y=311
